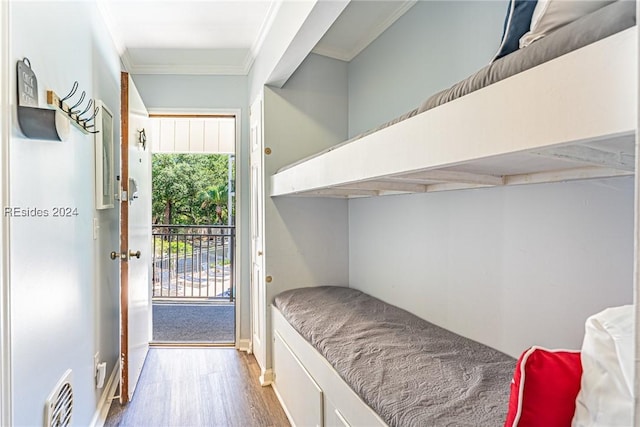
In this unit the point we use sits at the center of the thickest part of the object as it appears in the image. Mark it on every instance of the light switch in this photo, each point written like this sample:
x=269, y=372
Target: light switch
x=96, y=227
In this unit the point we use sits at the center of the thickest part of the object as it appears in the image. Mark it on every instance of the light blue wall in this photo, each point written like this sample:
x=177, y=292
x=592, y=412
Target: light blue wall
x=64, y=287
x=176, y=92
x=306, y=238
x=510, y=267
x=287, y=22
x=431, y=47
x=310, y=111
x=192, y=91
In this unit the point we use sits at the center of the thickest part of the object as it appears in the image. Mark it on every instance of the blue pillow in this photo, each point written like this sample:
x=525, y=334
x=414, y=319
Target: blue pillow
x=516, y=24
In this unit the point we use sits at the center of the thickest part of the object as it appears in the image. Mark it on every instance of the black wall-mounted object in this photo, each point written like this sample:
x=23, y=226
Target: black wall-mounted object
x=35, y=122
x=44, y=123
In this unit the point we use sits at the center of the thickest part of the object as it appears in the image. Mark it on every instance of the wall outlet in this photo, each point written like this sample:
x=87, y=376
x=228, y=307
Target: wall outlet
x=96, y=370
x=96, y=360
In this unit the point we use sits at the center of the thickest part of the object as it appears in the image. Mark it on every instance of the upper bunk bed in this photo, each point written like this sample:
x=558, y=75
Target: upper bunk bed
x=537, y=118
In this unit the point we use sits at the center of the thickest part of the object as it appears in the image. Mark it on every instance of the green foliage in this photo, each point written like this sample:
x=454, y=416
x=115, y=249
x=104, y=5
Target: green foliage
x=175, y=247
x=190, y=188
x=213, y=202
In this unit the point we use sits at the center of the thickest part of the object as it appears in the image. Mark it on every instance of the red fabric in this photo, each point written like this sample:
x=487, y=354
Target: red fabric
x=550, y=381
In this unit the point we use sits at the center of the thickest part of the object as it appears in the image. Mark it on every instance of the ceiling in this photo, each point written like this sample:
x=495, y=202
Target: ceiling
x=359, y=24
x=224, y=36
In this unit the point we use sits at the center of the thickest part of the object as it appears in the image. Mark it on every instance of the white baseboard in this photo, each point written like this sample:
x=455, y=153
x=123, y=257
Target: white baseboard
x=110, y=388
x=266, y=378
x=244, y=345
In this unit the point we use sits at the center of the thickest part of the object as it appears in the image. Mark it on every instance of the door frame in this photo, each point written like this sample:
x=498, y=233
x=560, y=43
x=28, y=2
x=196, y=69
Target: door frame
x=131, y=363
x=124, y=236
x=6, y=387
x=636, y=249
x=239, y=223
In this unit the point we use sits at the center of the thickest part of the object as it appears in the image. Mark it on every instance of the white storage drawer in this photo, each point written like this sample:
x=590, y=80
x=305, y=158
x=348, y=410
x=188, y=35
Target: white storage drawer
x=310, y=390
x=298, y=390
x=332, y=416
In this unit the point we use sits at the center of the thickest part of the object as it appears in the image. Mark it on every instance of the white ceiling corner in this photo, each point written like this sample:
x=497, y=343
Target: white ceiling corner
x=188, y=37
x=262, y=34
x=126, y=61
x=360, y=24
x=224, y=36
x=103, y=8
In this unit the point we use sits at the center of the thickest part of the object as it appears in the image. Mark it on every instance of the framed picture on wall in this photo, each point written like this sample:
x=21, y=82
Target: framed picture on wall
x=104, y=153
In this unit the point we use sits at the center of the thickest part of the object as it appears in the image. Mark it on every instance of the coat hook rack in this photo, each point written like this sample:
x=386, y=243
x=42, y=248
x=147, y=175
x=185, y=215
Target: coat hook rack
x=44, y=123
x=75, y=113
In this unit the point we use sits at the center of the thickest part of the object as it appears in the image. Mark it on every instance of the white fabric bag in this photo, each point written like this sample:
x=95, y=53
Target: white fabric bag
x=606, y=395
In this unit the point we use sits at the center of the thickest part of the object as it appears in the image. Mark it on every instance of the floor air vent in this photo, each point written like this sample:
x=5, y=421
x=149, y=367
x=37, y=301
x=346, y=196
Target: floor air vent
x=60, y=403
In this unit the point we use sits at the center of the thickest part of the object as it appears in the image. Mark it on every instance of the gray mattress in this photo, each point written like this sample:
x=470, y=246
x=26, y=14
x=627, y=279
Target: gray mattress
x=409, y=371
x=598, y=25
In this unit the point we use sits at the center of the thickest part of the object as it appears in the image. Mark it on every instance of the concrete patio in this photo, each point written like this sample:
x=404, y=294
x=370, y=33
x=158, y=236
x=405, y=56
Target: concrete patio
x=194, y=322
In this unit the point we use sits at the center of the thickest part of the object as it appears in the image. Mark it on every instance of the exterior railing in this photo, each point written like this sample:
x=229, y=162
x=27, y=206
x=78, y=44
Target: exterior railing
x=193, y=261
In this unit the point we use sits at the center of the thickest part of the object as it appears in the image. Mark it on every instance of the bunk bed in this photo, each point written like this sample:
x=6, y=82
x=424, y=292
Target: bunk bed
x=406, y=370
x=569, y=101
x=567, y=115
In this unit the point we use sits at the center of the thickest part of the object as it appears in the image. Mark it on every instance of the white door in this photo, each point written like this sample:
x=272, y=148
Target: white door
x=258, y=302
x=135, y=238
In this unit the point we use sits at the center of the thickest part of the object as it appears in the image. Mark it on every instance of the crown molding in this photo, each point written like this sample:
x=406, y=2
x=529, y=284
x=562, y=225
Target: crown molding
x=248, y=62
x=111, y=27
x=262, y=35
x=189, y=69
x=126, y=60
x=130, y=66
x=264, y=29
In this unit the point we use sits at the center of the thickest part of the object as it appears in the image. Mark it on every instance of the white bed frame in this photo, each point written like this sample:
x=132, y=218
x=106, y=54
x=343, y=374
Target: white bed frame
x=570, y=118
x=309, y=389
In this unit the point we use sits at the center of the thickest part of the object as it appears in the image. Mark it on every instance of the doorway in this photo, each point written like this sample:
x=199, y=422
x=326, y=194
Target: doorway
x=193, y=230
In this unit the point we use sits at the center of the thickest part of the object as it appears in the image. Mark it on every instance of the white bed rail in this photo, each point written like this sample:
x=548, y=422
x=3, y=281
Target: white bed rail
x=573, y=117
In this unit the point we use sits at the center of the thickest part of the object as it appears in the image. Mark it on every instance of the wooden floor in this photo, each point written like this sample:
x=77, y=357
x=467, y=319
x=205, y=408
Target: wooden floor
x=199, y=387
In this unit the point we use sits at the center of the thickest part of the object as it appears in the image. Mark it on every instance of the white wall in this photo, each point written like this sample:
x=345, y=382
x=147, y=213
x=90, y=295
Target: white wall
x=64, y=289
x=306, y=239
x=286, y=23
x=510, y=267
x=193, y=93
x=434, y=45
x=5, y=290
x=294, y=29
x=167, y=91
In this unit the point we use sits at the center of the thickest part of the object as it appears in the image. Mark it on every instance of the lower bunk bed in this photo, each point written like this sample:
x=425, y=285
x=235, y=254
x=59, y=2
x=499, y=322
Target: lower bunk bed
x=344, y=358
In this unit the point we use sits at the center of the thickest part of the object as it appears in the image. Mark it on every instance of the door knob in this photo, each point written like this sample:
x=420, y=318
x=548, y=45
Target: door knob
x=114, y=255
x=134, y=254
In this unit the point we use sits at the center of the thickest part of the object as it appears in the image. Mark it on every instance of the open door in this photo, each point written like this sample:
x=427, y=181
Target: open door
x=135, y=238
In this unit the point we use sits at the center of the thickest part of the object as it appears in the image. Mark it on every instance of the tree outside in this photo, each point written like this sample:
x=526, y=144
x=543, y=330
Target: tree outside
x=191, y=189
